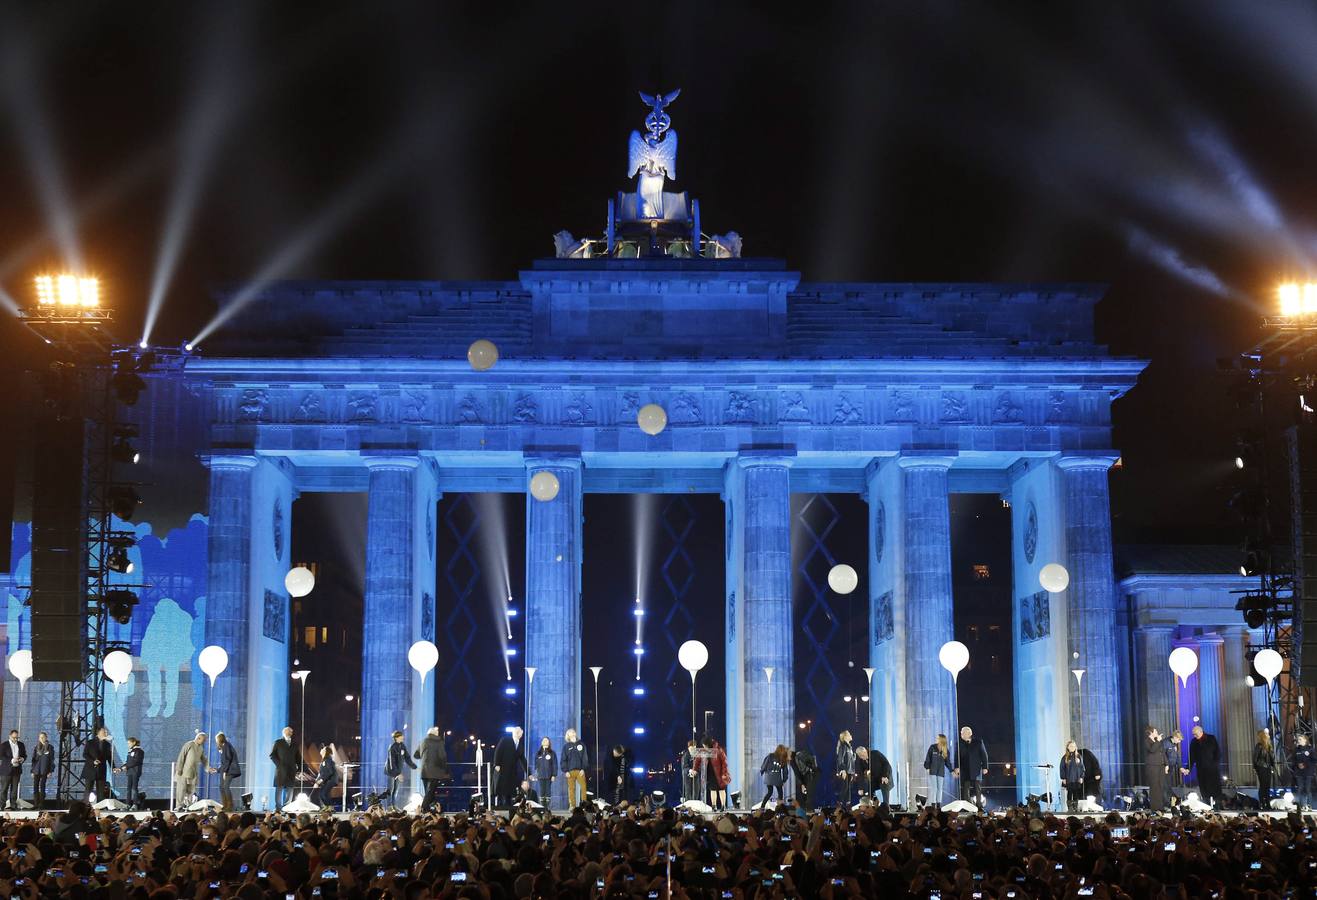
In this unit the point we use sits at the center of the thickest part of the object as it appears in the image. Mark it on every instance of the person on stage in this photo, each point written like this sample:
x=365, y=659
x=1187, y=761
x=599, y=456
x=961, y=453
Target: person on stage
x=720, y=776
x=937, y=762
x=132, y=772
x=1072, y=775
x=1156, y=768
x=509, y=767
x=1304, y=765
x=326, y=780
x=690, y=784
x=546, y=769
x=12, y=757
x=806, y=769
x=845, y=767
x=1175, y=759
x=574, y=763
x=1205, y=756
x=187, y=768
x=43, y=763
x=96, y=756
x=863, y=786
x=228, y=768
x=1092, y=774
x=1264, y=764
x=287, y=759
x=618, y=774
x=774, y=770
x=971, y=766
x=434, y=765
x=880, y=774
x=396, y=762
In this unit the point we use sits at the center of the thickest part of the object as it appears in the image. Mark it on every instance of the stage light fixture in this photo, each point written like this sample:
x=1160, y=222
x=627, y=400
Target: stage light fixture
x=123, y=501
x=68, y=291
x=120, y=603
x=122, y=450
x=117, y=561
x=1297, y=299
x=127, y=385
x=1255, y=608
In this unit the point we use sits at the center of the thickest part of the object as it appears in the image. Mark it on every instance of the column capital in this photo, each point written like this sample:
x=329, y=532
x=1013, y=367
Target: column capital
x=1154, y=628
x=1210, y=638
x=877, y=464
x=925, y=459
x=1090, y=459
x=390, y=461
x=778, y=458
x=552, y=461
x=229, y=460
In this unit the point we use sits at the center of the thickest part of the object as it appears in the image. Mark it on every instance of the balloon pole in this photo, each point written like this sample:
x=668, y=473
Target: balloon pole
x=693, y=674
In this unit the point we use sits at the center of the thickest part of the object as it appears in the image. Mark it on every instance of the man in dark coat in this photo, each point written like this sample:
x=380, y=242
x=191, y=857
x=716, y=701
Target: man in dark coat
x=880, y=771
x=971, y=765
x=1205, y=754
x=43, y=763
x=396, y=764
x=96, y=756
x=1092, y=774
x=434, y=766
x=287, y=759
x=617, y=774
x=806, y=769
x=12, y=756
x=509, y=768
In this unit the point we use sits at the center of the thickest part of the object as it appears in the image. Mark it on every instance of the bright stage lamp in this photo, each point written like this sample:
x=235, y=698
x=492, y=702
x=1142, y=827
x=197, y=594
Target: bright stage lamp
x=1297, y=299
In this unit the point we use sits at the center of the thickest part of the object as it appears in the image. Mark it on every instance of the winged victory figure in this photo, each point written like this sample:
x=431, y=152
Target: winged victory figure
x=653, y=157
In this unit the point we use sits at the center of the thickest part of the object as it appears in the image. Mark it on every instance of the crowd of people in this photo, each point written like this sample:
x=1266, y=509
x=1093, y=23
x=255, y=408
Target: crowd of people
x=639, y=852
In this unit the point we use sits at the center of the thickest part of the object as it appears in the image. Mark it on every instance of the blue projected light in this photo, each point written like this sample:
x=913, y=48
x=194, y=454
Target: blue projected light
x=638, y=691
x=509, y=690
x=638, y=612
x=638, y=770
x=639, y=729
x=639, y=651
x=512, y=651
x=508, y=728
x=512, y=613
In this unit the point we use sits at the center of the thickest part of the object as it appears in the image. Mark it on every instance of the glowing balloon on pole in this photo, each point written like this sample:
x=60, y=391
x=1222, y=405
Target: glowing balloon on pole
x=1269, y=664
x=213, y=660
x=20, y=665
x=482, y=355
x=768, y=673
x=843, y=579
x=299, y=581
x=423, y=656
x=652, y=418
x=954, y=656
x=117, y=666
x=544, y=486
x=693, y=656
x=1183, y=662
x=1054, y=578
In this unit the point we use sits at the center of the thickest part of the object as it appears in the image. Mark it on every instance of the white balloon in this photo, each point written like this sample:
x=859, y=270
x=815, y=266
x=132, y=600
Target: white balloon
x=842, y=578
x=117, y=666
x=299, y=581
x=954, y=656
x=1269, y=664
x=482, y=355
x=1183, y=662
x=213, y=660
x=652, y=418
x=1054, y=578
x=20, y=665
x=544, y=486
x=693, y=656
x=423, y=656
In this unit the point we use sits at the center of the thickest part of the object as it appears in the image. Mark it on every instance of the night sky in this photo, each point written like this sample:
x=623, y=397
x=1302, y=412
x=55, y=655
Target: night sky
x=1164, y=150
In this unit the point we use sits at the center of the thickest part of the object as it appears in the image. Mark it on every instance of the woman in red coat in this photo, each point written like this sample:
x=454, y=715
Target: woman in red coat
x=721, y=776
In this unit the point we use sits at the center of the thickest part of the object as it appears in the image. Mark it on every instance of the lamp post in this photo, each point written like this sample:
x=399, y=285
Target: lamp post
x=301, y=675
x=598, y=764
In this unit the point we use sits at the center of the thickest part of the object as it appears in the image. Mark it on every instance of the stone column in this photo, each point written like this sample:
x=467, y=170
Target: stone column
x=1091, y=609
x=391, y=694
x=1154, y=649
x=1259, y=693
x=886, y=638
x=553, y=608
x=1237, y=695
x=228, y=620
x=760, y=509
x=931, y=706
x=1210, y=685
